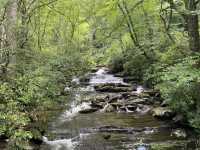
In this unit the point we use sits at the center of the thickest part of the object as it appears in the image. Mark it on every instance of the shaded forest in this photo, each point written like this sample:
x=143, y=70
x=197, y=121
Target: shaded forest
x=45, y=43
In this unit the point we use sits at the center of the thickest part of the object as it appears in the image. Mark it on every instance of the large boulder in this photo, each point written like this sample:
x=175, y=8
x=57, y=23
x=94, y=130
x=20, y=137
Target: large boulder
x=163, y=113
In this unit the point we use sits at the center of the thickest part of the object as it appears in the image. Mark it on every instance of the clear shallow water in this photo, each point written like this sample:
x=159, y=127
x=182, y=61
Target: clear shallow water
x=69, y=130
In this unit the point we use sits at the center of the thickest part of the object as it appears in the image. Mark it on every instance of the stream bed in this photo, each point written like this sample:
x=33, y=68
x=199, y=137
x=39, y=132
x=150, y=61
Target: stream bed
x=81, y=127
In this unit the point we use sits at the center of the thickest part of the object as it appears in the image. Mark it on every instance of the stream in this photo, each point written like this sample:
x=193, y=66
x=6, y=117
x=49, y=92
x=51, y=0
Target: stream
x=91, y=125
x=106, y=130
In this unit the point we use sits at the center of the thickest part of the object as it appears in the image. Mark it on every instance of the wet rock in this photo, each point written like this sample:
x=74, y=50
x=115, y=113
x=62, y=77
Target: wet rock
x=117, y=104
x=163, y=113
x=87, y=111
x=144, y=95
x=143, y=109
x=116, y=85
x=140, y=101
x=128, y=95
x=96, y=98
x=122, y=109
x=67, y=89
x=108, y=108
x=113, y=88
x=97, y=105
x=131, y=107
x=130, y=79
x=106, y=136
x=179, y=133
x=85, y=79
x=113, y=99
x=153, y=93
x=75, y=81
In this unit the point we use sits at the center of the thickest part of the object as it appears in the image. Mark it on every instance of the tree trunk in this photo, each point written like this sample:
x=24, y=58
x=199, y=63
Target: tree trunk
x=10, y=33
x=192, y=25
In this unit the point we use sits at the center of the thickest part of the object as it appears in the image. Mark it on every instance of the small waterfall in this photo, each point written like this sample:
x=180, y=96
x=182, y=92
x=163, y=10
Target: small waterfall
x=102, y=77
x=67, y=144
x=69, y=114
x=140, y=89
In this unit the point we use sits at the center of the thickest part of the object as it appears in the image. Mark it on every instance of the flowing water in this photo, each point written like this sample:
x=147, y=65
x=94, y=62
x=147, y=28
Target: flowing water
x=71, y=130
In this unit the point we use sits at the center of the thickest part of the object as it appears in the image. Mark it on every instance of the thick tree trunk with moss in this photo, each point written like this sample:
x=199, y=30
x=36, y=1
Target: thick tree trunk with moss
x=192, y=25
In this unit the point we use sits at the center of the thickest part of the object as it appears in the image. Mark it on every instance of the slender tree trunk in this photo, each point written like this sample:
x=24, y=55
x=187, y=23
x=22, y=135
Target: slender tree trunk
x=192, y=25
x=10, y=33
x=129, y=23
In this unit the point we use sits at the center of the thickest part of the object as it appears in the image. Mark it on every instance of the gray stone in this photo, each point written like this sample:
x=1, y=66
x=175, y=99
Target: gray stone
x=163, y=113
x=108, y=108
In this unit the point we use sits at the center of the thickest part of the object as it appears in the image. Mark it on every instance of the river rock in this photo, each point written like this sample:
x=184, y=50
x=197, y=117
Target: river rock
x=130, y=79
x=143, y=95
x=153, y=93
x=143, y=109
x=96, y=98
x=97, y=105
x=87, y=111
x=114, y=87
x=140, y=101
x=114, y=98
x=179, y=133
x=109, y=108
x=131, y=107
x=163, y=113
x=117, y=104
x=122, y=109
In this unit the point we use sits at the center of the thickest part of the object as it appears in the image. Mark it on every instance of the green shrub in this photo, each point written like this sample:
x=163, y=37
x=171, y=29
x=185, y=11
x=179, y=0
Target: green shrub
x=180, y=86
x=116, y=63
x=136, y=66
